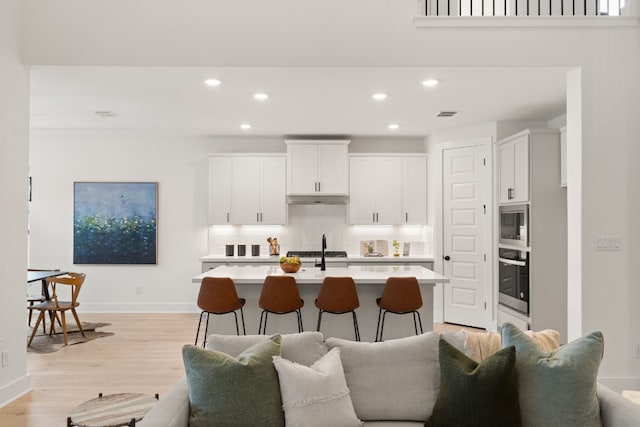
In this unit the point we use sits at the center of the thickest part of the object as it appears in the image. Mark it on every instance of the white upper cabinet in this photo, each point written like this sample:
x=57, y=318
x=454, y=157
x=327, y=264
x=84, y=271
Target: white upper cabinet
x=513, y=169
x=387, y=190
x=317, y=167
x=252, y=188
x=414, y=190
x=220, y=190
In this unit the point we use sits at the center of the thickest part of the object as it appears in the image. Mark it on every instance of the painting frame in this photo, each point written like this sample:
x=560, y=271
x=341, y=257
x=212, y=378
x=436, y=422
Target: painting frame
x=115, y=222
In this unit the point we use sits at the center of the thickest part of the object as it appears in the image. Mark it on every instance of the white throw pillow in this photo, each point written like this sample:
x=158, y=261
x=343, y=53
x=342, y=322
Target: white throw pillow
x=317, y=395
x=392, y=380
x=305, y=347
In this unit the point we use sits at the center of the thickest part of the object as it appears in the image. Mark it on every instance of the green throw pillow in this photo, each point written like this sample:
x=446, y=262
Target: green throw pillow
x=557, y=388
x=234, y=391
x=472, y=394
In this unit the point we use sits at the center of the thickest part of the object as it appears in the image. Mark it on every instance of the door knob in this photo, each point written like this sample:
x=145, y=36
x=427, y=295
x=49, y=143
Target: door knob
x=446, y=257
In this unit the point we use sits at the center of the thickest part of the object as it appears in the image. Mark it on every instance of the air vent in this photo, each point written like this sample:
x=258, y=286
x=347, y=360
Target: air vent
x=105, y=113
x=447, y=113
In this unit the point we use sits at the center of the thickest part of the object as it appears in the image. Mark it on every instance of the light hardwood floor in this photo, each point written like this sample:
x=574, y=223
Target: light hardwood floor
x=143, y=355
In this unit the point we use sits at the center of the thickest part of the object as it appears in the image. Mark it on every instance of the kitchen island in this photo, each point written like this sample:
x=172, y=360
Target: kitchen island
x=369, y=280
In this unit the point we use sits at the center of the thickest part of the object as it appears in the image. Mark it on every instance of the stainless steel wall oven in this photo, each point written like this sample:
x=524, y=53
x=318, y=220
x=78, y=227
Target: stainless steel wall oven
x=513, y=276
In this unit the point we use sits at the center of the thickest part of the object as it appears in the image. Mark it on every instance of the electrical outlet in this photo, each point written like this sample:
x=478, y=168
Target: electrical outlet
x=636, y=351
x=5, y=358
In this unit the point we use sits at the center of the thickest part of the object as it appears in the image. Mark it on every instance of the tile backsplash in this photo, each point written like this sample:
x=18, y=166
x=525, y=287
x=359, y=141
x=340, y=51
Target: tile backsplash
x=304, y=231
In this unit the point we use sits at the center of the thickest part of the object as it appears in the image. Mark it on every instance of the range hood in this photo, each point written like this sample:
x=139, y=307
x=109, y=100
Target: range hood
x=314, y=199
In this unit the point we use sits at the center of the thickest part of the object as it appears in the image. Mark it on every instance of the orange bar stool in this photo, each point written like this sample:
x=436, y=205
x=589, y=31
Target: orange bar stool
x=279, y=295
x=218, y=295
x=338, y=295
x=401, y=295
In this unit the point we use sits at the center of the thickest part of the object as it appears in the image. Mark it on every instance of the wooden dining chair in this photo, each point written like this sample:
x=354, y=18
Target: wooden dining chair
x=32, y=299
x=54, y=305
x=401, y=295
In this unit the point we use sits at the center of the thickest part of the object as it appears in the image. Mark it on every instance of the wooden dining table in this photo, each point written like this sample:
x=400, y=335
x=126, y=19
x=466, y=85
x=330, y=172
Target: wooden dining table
x=35, y=275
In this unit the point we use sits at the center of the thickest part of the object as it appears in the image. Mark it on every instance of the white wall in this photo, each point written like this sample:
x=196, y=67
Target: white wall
x=14, y=126
x=179, y=165
x=381, y=33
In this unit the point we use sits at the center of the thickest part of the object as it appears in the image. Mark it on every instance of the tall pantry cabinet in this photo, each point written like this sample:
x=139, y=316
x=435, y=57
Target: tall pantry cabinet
x=529, y=173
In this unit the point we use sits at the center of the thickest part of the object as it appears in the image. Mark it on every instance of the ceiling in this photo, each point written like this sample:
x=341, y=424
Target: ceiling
x=302, y=101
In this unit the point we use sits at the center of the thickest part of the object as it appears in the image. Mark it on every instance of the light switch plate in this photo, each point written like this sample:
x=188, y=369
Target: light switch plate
x=609, y=243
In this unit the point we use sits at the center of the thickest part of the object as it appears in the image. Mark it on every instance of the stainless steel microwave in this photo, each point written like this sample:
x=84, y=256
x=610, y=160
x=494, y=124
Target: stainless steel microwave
x=514, y=225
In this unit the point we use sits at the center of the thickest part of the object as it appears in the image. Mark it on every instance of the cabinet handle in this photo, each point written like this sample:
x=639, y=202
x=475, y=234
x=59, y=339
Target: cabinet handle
x=227, y=216
x=377, y=220
x=257, y=217
x=406, y=217
x=373, y=217
x=260, y=216
x=318, y=186
x=510, y=193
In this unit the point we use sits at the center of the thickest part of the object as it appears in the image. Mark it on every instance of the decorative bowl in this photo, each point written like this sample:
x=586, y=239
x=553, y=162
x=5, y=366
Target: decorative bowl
x=289, y=267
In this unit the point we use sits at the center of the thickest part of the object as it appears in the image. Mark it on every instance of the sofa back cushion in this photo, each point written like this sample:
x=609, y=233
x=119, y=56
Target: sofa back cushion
x=392, y=380
x=229, y=391
x=557, y=388
x=304, y=348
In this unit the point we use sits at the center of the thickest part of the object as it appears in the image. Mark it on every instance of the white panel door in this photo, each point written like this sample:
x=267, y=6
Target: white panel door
x=466, y=182
x=246, y=190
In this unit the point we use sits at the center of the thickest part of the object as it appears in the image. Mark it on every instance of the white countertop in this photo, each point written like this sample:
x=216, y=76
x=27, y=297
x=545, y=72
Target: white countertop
x=265, y=259
x=373, y=274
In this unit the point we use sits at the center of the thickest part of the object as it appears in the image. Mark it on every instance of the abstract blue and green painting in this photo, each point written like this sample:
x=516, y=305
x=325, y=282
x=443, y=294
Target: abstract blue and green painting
x=115, y=223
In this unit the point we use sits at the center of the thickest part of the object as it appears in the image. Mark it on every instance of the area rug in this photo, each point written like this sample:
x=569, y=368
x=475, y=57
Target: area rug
x=43, y=343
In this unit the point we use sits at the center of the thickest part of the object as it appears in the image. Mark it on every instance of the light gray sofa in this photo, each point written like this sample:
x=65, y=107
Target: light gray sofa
x=173, y=409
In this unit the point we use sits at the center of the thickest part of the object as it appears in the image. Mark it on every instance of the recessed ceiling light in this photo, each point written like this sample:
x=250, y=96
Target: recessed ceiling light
x=393, y=126
x=430, y=83
x=260, y=96
x=380, y=96
x=245, y=126
x=212, y=82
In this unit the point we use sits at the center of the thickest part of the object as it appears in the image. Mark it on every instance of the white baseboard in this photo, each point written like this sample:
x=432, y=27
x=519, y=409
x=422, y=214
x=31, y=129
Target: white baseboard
x=139, y=308
x=620, y=383
x=14, y=390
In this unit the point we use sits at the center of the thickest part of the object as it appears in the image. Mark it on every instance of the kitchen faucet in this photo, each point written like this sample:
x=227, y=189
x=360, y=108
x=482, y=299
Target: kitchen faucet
x=323, y=264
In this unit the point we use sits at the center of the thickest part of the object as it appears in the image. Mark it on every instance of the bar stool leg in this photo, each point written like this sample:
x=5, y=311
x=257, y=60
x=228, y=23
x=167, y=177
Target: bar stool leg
x=235, y=315
x=244, y=329
x=319, y=320
x=206, y=331
x=198, y=331
x=420, y=322
x=300, y=327
x=355, y=325
x=378, y=325
x=384, y=316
